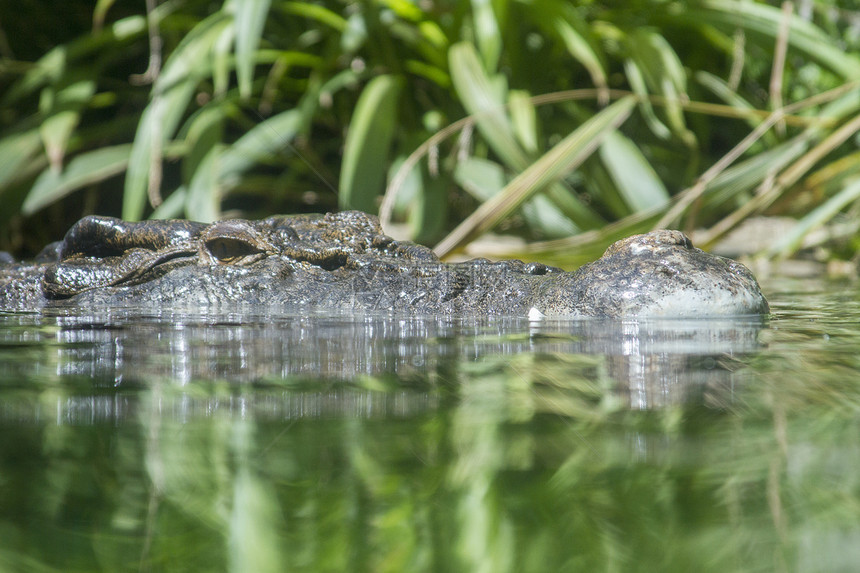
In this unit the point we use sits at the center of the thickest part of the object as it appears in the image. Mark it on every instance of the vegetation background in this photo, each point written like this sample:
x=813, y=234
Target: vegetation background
x=566, y=123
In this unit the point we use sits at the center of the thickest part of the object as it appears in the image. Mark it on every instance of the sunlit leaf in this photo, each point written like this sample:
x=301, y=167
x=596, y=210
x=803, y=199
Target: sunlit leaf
x=157, y=122
x=62, y=109
x=49, y=68
x=250, y=19
x=173, y=206
x=487, y=33
x=314, y=12
x=173, y=92
x=263, y=140
x=201, y=132
x=481, y=178
x=100, y=11
x=558, y=161
x=660, y=72
x=366, y=149
x=84, y=169
x=788, y=244
x=480, y=99
x=580, y=49
x=763, y=19
x=637, y=82
x=742, y=179
x=634, y=177
x=203, y=201
x=524, y=120
x=17, y=150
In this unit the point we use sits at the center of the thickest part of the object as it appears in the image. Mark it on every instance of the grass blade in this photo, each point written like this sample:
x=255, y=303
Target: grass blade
x=62, y=109
x=635, y=179
x=365, y=153
x=203, y=201
x=558, y=161
x=487, y=33
x=765, y=20
x=85, y=169
x=262, y=140
x=482, y=100
x=790, y=243
x=250, y=19
x=172, y=92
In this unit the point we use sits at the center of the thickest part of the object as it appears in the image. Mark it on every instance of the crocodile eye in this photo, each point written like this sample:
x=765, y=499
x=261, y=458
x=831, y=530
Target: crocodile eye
x=228, y=250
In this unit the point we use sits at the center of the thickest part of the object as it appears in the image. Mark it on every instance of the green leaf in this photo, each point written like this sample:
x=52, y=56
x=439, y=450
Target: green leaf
x=48, y=68
x=481, y=100
x=261, y=141
x=201, y=132
x=173, y=206
x=173, y=92
x=100, y=11
x=315, y=13
x=427, y=212
x=157, y=122
x=17, y=150
x=638, y=84
x=754, y=17
x=203, y=201
x=221, y=168
x=582, y=51
x=659, y=72
x=62, y=109
x=250, y=20
x=738, y=181
x=524, y=119
x=789, y=244
x=84, y=169
x=484, y=179
x=557, y=162
x=481, y=178
x=487, y=33
x=365, y=153
x=635, y=179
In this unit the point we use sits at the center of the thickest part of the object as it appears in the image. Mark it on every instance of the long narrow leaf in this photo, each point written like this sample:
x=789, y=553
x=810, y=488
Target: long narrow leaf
x=158, y=121
x=204, y=195
x=63, y=110
x=250, y=19
x=365, y=153
x=262, y=140
x=580, y=49
x=487, y=33
x=85, y=169
x=17, y=150
x=480, y=99
x=561, y=159
x=763, y=19
x=635, y=179
x=173, y=92
x=787, y=245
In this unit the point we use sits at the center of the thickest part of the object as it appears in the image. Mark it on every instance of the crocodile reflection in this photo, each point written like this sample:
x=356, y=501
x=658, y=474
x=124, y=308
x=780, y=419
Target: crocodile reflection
x=345, y=261
x=317, y=364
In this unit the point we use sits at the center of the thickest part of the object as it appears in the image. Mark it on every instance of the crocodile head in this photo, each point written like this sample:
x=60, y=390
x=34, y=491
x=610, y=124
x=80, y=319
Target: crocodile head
x=656, y=274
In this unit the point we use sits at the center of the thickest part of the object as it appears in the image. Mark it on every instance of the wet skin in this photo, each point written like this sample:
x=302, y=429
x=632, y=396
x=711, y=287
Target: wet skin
x=344, y=261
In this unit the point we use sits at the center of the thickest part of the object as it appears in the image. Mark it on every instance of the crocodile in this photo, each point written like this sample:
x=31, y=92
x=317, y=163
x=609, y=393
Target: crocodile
x=343, y=262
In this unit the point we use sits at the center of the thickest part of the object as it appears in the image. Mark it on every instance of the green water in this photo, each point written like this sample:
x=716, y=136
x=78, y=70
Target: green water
x=174, y=442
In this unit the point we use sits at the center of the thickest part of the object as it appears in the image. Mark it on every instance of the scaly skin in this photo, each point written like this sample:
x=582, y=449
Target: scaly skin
x=343, y=261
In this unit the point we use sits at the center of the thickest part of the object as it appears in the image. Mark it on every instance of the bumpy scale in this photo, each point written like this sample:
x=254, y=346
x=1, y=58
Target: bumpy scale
x=344, y=261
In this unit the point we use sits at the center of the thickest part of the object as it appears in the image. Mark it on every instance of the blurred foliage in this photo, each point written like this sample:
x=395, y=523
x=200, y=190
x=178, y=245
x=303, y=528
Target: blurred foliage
x=203, y=109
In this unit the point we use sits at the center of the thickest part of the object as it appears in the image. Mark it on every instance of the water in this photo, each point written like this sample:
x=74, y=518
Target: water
x=171, y=442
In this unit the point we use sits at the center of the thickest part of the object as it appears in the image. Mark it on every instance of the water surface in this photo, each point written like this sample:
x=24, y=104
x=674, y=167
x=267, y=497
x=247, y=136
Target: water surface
x=177, y=441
